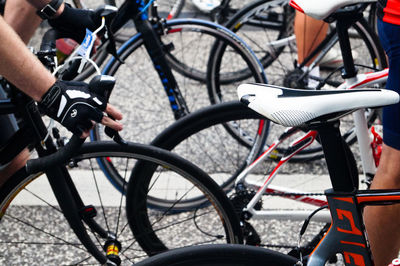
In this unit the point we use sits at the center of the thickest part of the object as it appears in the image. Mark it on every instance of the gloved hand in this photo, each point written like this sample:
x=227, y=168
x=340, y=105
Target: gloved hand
x=72, y=22
x=73, y=105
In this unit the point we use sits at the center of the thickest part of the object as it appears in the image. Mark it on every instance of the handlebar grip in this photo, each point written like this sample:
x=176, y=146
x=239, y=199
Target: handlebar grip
x=49, y=40
x=61, y=156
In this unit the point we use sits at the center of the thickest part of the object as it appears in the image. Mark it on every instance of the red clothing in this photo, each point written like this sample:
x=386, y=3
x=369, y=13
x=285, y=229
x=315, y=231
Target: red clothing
x=389, y=11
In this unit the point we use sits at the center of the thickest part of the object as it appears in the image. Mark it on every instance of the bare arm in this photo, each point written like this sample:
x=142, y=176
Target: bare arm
x=21, y=16
x=19, y=66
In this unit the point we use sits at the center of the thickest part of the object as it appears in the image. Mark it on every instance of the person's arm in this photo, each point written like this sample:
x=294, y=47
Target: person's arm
x=21, y=16
x=19, y=66
x=39, y=4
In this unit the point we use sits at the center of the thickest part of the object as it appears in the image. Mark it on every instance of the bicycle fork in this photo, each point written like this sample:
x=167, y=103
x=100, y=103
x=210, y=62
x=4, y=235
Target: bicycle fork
x=74, y=211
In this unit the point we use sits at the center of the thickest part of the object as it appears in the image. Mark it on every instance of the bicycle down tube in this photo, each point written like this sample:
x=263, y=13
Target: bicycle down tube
x=136, y=10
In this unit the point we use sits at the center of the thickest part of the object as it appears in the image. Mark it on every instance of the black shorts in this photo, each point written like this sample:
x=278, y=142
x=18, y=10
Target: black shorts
x=8, y=123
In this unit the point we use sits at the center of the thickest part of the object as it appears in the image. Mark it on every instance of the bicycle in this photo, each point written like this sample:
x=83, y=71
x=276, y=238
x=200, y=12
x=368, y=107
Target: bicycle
x=95, y=237
x=200, y=136
x=159, y=39
x=347, y=234
x=166, y=39
x=219, y=14
x=170, y=138
x=279, y=58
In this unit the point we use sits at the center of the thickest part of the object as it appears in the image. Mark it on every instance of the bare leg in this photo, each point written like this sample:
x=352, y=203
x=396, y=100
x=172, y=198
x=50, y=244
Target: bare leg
x=21, y=16
x=309, y=34
x=383, y=222
x=13, y=12
x=17, y=163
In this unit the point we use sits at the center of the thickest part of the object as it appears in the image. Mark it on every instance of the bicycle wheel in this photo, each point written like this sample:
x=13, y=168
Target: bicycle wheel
x=139, y=92
x=34, y=230
x=271, y=18
x=202, y=138
x=214, y=222
x=167, y=9
x=212, y=255
x=368, y=56
x=267, y=27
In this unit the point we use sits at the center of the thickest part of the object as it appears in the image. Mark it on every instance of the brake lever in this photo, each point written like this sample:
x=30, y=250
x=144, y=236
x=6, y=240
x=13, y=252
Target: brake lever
x=111, y=46
x=113, y=134
x=103, y=86
x=108, y=13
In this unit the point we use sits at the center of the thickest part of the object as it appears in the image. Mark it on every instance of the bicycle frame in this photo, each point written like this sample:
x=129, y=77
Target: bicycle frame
x=347, y=233
x=363, y=136
x=352, y=81
x=136, y=11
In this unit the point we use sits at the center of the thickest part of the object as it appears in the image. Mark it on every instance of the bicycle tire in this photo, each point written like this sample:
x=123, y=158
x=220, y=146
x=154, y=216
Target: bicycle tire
x=36, y=233
x=198, y=138
x=213, y=255
x=147, y=231
x=371, y=58
x=262, y=10
x=146, y=114
x=201, y=138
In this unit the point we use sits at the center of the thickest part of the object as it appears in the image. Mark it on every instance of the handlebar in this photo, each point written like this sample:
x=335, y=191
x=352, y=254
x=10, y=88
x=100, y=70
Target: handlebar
x=61, y=156
x=101, y=85
x=49, y=40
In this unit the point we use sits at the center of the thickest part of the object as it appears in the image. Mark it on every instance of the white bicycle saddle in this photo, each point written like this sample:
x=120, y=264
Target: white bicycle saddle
x=290, y=107
x=321, y=9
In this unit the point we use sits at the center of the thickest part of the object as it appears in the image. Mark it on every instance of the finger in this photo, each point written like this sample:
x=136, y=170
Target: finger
x=111, y=123
x=114, y=112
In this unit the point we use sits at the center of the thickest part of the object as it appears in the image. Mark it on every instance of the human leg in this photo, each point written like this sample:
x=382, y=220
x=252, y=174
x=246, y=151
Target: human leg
x=383, y=222
x=309, y=34
x=8, y=125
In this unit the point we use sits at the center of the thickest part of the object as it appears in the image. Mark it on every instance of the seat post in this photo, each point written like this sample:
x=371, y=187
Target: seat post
x=344, y=22
x=336, y=157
